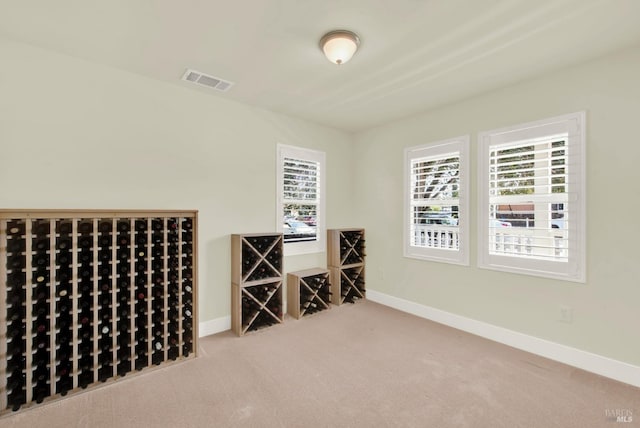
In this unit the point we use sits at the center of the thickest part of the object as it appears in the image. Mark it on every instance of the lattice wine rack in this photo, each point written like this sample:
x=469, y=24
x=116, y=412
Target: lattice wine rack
x=91, y=296
x=346, y=260
x=256, y=275
x=308, y=292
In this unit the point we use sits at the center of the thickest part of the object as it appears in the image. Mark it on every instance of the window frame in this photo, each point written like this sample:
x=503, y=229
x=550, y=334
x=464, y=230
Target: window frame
x=434, y=149
x=286, y=151
x=574, y=269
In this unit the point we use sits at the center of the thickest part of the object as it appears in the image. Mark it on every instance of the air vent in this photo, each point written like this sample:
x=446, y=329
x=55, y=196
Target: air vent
x=206, y=80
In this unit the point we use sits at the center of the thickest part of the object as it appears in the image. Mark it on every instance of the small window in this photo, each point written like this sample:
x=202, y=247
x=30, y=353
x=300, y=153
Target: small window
x=300, y=205
x=532, y=200
x=436, y=201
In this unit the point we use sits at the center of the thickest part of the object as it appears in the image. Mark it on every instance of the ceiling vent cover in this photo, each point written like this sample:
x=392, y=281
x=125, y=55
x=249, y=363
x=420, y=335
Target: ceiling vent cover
x=206, y=80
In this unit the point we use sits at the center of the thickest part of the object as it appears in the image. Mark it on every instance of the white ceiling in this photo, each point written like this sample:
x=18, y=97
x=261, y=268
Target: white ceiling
x=414, y=55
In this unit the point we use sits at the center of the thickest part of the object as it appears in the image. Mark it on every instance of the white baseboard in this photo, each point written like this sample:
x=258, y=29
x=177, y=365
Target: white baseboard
x=593, y=363
x=217, y=325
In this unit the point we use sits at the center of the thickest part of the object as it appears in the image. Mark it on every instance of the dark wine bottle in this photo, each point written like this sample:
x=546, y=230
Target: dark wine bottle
x=40, y=228
x=124, y=226
x=64, y=244
x=65, y=228
x=85, y=242
x=16, y=228
x=17, y=399
x=105, y=226
x=85, y=227
x=105, y=242
x=15, y=246
x=16, y=263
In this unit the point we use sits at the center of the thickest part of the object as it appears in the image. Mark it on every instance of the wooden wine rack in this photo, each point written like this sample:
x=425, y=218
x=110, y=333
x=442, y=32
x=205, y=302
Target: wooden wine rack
x=90, y=296
x=308, y=292
x=346, y=260
x=256, y=276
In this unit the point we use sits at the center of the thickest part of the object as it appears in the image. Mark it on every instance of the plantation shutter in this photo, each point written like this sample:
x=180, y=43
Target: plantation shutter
x=532, y=198
x=435, y=201
x=300, y=197
x=529, y=198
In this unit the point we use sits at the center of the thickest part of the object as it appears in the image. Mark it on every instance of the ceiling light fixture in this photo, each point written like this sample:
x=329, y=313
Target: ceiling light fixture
x=339, y=45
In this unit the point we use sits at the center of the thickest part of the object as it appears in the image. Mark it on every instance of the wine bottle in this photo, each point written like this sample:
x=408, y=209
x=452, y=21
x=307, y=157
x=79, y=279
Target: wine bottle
x=65, y=228
x=41, y=276
x=105, y=226
x=64, y=386
x=15, y=228
x=105, y=242
x=63, y=258
x=85, y=242
x=187, y=312
x=84, y=379
x=124, y=269
x=16, y=263
x=14, y=333
x=40, y=228
x=105, y=358
x=15, y=380
x=123, y=242
x=40, y=325
x=15, y=280
x=141, y=240
x=15, y=246
x=41, y=372
x=124, y=226
x=172, y=354
x=64, y=244
x=17, y=399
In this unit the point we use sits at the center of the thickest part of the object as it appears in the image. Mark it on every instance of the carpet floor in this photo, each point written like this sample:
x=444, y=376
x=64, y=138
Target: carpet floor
x=362, y=365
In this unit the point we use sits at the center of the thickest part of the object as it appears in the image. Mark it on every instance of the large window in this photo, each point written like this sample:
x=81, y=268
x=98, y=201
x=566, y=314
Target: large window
x=301, y=196
x=436, y=201
x=532, y=200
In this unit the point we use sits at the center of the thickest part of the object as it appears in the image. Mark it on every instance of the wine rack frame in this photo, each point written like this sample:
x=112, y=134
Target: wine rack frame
x=170, y=345
x=264, y=292
x=346, y=262
x=300, y=281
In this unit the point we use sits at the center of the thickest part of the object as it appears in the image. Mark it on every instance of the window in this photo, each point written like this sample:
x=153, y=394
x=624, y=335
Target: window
x=532, y=198
x=300, y=214
x=436, y=201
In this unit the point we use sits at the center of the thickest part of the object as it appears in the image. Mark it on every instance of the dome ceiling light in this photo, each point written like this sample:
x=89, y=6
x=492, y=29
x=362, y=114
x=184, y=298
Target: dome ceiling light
x=339, y=45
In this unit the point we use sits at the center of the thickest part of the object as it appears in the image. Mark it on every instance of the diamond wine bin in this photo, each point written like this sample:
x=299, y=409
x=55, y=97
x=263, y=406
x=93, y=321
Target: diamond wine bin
x=256, y=275
x=346, y=260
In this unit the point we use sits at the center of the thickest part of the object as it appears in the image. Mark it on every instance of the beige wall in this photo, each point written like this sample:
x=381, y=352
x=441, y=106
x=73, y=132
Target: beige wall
x=606, y=308
x=74, y=134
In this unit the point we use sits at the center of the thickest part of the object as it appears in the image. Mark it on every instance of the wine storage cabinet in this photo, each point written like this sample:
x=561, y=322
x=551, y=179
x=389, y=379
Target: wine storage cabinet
x=308, y=292
x=346, y=260
x=256, y=275
x=91, y=296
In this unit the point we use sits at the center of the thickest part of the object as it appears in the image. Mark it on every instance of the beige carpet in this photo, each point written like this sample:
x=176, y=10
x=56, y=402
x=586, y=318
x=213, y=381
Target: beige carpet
x=360, y=365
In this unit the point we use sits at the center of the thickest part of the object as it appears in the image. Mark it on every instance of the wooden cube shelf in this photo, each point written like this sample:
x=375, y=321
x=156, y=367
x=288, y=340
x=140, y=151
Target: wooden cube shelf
x=92, y=295
x=256, y=287
x=347, y=284
x=308, y=292
x=346, y=261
